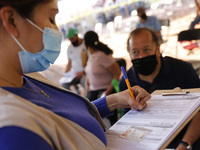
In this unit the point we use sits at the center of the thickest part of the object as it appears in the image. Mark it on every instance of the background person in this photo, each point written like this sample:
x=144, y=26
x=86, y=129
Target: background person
x=100, y=70
x=150, y=22
x=37, y=114
x=77, y=57
x=101, y=67
x=152, y=71
x=197, y=19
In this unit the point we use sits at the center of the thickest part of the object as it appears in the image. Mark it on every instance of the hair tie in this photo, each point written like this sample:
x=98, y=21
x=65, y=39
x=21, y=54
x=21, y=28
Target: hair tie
x=96, y=42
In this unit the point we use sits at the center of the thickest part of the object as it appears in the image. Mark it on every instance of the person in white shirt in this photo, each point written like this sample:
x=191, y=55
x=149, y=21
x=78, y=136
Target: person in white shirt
x=75, y=55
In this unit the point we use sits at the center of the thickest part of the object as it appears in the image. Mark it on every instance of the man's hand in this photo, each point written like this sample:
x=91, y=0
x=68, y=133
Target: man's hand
x=79, y=74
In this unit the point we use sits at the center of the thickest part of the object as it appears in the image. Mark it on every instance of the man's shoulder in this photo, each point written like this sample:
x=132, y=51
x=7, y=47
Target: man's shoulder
x=139, y=24
x=70, y=47
x=153, y=17
x=131, y=74
x=176, y=63
x=171, y=59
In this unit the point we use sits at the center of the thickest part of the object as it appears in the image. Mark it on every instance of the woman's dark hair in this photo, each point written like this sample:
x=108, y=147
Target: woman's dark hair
x=92, y=40
x=138, y=31
x=23, y=7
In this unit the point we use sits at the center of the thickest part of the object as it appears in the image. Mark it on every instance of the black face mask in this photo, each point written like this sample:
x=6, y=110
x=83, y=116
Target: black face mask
x=75, y=43
x=144, y=16
x=146, y=65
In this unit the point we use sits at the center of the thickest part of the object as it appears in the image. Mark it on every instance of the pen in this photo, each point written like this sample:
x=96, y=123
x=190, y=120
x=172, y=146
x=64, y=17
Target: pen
x=127, y=82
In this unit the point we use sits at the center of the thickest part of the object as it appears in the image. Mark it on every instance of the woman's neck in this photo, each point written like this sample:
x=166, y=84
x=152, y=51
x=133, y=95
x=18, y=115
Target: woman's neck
x=91, y=50
x=10, y=77
x=10, y=72
x=11, y=82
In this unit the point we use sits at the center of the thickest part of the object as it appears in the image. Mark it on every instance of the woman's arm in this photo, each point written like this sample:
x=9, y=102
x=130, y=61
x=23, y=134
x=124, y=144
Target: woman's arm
x=87, y=84
x=84, y=58
x=106, y=105
x=115, y=70
x=124, y=100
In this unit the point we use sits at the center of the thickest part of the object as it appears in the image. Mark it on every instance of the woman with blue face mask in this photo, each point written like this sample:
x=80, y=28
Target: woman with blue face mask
x=37, y=114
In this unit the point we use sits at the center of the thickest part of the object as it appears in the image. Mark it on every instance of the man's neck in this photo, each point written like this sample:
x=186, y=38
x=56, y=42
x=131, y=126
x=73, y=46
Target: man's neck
x=143, y=20
x=150, y=78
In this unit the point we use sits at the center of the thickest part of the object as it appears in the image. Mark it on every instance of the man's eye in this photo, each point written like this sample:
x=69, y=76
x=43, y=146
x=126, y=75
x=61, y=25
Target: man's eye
x=147, y=49
x=135, y=52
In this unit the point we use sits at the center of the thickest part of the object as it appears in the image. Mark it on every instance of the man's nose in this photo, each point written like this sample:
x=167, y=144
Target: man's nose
x=142, y=54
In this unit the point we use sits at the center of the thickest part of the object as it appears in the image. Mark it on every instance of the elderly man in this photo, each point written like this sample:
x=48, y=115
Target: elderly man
x=152, y=71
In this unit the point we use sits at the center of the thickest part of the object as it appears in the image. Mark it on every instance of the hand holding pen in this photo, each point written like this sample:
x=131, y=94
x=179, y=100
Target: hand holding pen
x=124, y=100
x=137, y=100
x=134, y=98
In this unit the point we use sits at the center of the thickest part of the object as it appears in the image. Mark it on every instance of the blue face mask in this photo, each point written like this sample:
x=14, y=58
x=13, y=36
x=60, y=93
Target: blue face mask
x=33, y=62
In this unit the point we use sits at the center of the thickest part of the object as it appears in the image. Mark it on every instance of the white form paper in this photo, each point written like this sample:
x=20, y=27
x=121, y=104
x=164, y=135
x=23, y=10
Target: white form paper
x=67, y=77
x=163, y=116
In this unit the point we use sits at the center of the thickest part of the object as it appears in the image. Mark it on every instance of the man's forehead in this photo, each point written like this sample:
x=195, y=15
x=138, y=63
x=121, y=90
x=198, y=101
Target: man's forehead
x=141, y=46
x=141, y=38
x=74, y=37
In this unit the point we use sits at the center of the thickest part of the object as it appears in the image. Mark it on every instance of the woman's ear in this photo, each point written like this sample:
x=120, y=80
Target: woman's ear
x=8, y=18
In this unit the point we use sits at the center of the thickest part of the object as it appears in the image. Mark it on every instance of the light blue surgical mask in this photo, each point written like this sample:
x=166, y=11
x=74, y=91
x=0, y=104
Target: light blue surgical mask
x=33, y=62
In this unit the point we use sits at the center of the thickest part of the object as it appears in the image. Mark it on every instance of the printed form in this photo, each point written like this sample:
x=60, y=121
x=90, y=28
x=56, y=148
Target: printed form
x=153, y=126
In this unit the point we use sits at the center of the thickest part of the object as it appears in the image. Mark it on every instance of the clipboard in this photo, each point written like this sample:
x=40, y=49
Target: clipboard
x=176, y=91
x=164, y=118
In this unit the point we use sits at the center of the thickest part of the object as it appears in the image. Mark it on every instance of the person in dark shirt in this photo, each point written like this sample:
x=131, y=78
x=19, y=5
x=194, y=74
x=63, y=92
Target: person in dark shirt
x=153, y=72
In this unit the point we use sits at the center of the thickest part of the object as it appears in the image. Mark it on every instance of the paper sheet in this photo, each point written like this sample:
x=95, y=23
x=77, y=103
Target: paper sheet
x=163, y=116
x=67, y=77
